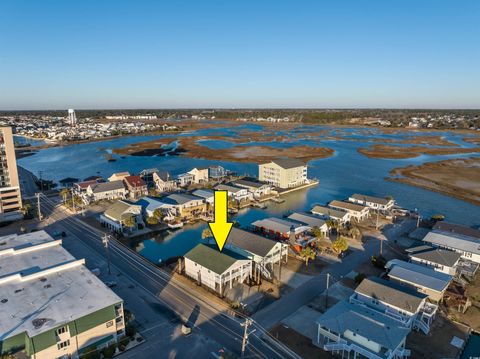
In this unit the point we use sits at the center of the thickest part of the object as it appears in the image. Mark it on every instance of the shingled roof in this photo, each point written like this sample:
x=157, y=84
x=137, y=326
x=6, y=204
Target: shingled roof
x=391, y=293
x=250, y=242
x=210, y=257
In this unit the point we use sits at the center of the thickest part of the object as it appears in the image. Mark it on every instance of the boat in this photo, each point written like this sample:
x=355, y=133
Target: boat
x=175, y=225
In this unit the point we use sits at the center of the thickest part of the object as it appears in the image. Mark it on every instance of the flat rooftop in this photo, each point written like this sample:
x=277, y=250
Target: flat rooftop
x=42, y=286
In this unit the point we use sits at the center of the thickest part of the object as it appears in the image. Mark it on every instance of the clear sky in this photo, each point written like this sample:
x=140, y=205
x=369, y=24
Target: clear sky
x=239, y=53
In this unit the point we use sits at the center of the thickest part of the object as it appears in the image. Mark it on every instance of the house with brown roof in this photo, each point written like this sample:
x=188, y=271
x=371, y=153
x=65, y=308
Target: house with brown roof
x=136, y=187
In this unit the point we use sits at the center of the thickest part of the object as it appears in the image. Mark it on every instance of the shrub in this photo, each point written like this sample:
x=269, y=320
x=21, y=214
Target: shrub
x=91, y=355
x=109, y=351
x=152, y=220
x=130, y=330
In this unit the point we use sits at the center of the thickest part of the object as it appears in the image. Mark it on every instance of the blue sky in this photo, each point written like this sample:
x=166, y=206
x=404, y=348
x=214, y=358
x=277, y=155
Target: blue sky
x=183, y=54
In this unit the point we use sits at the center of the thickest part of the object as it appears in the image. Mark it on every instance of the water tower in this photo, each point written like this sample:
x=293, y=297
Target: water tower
x=72, y=119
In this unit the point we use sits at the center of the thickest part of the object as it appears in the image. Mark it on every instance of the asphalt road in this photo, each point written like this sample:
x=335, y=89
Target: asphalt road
x=213, y=321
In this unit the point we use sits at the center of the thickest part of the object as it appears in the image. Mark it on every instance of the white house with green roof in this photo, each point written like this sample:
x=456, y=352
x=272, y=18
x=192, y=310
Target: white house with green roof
x=114, y=218
x=215, y=269
x=51, y=305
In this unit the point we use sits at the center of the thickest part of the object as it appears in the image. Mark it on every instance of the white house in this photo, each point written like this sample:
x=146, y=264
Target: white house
x=356, y=211
x=468, y=247
x=424, y=279
x=441, y=260
x=185, y=179
x=216, y=270
x=378, y=203
x=150, y=205
x=256, y=188
x=207, y=194
x=185, y=205
x=262, y=251
x=341, y=217
x=401, y=303
x=349, y=329
x=311, y=221
x=200, y=175
x=115, y=216
x=164, y=182
x=234, y=192
x=105, y=190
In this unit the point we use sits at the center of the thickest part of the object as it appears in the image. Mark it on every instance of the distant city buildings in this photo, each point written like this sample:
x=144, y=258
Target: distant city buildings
x=10, y=197
x=60, y=128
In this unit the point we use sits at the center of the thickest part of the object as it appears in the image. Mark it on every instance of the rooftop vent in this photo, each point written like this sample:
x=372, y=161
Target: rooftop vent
x=4, y=300
x=47, y=286
x=18, y=290
x=43, y=279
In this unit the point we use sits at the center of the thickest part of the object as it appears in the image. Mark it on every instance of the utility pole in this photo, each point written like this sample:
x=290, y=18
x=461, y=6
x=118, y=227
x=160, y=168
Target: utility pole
x=41, y=180
x=246, y=324
x=381, y=247
x=326, y=291
x=39, y=210
x=376, y=224
x=73, y=201
x=105, y=240
x=280, y=263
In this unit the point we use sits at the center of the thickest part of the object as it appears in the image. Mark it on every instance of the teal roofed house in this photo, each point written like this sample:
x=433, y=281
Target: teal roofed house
x=215, y=269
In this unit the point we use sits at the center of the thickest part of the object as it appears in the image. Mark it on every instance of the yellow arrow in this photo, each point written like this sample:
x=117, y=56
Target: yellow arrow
x=220, y=227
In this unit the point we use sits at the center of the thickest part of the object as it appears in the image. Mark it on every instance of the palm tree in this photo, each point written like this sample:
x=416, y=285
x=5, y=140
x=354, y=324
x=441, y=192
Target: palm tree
x=340, y=245
x=207, y=233
x=64, y=193
x=26, y=208
x=129, y=222
x=317, y=232
x=158, y=213
x=307, y=253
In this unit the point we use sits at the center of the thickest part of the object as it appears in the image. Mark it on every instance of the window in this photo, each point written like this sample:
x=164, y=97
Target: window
x=62, y=330
x=64, y=344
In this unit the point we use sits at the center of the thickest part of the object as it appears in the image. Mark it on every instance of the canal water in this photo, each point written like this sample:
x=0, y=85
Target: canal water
x=346, y=172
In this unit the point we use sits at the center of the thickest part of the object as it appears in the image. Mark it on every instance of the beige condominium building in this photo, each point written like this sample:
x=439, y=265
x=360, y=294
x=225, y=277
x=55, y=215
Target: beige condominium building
x=51, y=305
x=10, y=198
x=283, y=173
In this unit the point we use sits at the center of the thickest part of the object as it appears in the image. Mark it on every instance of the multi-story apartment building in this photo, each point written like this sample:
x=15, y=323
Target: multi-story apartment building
x=283, y=173
x=10, y=198
x=51, y=305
